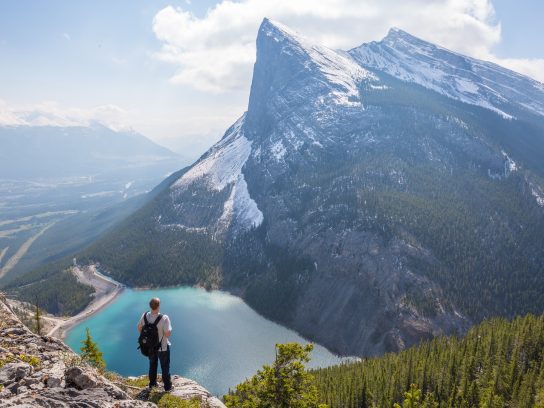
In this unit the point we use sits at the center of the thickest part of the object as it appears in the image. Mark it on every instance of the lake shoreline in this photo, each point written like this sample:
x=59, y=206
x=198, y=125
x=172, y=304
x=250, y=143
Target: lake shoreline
x=106, y=291
x=101, y=300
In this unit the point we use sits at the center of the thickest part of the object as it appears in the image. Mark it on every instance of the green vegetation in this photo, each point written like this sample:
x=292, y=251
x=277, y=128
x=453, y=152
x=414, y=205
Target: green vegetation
x=412, y=399
x=140, y=253
x=166, y=400
x=38, y=319
x=140, y=382
x=284, y=384
x=90, y=352
x=34, y=361
x=497, y=364
x=53, y=287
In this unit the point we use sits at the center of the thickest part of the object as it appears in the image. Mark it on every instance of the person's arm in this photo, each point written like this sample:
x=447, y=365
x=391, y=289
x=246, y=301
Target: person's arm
x=167, y=327
x=140, y=324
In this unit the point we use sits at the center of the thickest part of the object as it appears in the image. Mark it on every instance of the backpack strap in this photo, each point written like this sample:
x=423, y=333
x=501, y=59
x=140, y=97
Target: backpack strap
x=145, y=317
x=158, y=319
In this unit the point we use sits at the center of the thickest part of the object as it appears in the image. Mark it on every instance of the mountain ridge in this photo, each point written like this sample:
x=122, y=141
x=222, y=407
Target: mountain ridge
x=452, y=74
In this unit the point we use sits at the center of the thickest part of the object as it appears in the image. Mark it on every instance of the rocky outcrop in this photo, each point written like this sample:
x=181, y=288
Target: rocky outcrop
x=41, y=371
x=188, y=389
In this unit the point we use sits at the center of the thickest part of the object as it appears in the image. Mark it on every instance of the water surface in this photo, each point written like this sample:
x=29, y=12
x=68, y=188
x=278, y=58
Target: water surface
x=217, y=340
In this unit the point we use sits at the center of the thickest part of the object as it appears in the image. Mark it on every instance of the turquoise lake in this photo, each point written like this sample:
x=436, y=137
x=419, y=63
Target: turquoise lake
x=217, y=340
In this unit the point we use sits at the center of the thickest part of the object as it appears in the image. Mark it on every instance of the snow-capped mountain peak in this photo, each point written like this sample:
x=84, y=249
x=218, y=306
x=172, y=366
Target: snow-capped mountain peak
x=466, y=79
x=338, y=68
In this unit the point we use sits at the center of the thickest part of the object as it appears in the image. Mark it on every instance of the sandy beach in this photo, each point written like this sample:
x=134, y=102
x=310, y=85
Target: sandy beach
x=106, y=290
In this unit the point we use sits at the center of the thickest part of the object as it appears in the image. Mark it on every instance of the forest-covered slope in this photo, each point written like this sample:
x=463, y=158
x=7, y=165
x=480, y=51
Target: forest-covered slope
x=497, y=364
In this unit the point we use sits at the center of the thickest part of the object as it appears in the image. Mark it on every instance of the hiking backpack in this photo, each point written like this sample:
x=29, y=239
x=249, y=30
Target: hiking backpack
x=148, y=340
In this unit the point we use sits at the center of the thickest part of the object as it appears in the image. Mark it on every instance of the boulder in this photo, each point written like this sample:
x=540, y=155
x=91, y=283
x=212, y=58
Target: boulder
x=14, y=372
x=81, y=378
x=55, y=375
x=187, y=389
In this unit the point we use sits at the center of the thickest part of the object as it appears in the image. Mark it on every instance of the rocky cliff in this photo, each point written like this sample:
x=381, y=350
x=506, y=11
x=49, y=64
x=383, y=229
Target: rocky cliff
x=41, y=371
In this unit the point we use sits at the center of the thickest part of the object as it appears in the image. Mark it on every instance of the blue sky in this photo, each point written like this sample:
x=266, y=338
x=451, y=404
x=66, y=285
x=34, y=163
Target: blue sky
x=179, y=71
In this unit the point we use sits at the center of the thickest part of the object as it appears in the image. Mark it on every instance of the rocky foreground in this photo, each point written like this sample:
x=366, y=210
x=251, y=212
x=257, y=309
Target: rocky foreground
x=41, y=371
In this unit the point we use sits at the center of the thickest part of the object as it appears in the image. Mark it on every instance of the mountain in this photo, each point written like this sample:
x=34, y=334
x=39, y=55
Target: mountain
x=357, y=201
x=40, y=152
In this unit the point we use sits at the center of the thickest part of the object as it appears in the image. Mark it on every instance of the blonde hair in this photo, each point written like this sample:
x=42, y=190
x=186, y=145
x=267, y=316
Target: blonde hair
x=154, y=303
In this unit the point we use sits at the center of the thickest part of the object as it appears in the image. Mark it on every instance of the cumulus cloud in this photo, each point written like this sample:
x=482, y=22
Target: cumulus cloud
x=216, y=52
x=52, y=114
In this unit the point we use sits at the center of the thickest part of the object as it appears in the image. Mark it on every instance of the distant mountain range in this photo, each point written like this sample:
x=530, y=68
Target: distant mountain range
x=65, y=186
x=368, y=198
x=39, y=152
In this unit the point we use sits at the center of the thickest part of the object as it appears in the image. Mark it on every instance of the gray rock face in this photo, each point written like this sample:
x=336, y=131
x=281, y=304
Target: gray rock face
x=188, y=389
x=14, y=372
x=51, y=380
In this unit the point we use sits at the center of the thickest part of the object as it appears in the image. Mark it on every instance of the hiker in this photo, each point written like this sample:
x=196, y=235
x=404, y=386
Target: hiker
x=155, y=330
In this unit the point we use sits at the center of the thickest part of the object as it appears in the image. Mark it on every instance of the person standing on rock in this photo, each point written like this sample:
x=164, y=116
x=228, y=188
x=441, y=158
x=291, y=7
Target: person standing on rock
x=162, y=349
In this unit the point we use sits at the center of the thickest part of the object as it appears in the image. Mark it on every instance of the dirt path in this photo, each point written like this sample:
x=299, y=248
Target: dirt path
x=106, y=290
x=2, y=253
x=22, y=251
x=41, y=215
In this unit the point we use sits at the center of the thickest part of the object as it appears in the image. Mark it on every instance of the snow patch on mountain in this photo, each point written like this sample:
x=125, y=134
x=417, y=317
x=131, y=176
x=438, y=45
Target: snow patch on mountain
x=510, y=164
x=222, y=164
x=538, y=193
x=220, y=167
x=246, y=211
x=465, y=86
x=278, y=150
x=240, y=208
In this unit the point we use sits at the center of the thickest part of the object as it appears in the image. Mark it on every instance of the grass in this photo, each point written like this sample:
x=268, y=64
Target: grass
x=166, y=400
x=141, y=382
x=32, y=360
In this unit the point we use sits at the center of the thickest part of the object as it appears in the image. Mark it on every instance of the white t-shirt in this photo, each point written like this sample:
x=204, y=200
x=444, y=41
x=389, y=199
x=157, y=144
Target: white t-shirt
x=164, y=325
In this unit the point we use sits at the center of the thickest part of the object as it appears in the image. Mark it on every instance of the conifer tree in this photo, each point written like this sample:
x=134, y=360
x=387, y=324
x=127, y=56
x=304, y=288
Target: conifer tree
x=411, y=398
x=38, y=319
x=284, y=384
x=91, y=353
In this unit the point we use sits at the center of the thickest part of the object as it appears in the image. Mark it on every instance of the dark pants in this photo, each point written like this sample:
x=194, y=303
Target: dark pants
x=164, y=358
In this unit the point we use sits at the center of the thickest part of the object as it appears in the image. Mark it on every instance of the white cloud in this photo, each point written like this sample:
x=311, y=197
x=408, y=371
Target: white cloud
x=216, y=52
x=52, y=114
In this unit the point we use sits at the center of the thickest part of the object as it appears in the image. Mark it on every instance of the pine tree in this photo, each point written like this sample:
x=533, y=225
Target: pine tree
x=38, y=319
x=91, y=353
x=412, y=398
x=284, y=384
